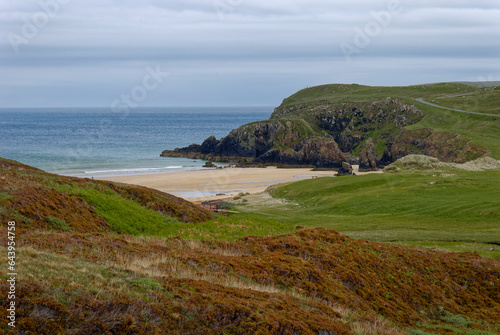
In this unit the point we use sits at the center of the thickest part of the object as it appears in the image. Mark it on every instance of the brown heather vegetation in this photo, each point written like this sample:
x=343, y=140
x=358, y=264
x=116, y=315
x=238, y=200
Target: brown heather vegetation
x=89, y=280
x=310, y=282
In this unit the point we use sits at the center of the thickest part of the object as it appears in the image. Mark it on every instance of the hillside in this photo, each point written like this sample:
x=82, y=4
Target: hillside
x=39, y=200
x=341, y=93
x=76, y=275
x=310, y=282
x=327, y=125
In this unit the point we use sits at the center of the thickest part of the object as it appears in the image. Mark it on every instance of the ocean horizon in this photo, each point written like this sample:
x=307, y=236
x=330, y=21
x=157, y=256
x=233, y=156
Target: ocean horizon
x=96, y=142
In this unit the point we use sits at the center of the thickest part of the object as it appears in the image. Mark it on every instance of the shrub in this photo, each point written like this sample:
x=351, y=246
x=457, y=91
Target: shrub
x=455, y=319
x=58, y=223
x=5, y=196
x=147, y=283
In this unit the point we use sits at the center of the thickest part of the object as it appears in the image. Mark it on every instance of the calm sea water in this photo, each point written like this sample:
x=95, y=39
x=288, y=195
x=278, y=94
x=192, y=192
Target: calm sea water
x=97, y=142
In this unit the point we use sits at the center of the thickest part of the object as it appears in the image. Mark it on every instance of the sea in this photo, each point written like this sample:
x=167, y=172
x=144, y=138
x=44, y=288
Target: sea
x=96, y=142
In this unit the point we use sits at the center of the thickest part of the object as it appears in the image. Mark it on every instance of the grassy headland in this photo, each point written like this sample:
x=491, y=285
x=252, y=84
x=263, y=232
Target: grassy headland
x=459, y=96
x=327, y=125
x=483, y=130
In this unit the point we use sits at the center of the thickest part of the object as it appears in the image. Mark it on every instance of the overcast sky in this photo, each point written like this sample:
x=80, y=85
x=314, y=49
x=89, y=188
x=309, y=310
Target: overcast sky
x=73, y=53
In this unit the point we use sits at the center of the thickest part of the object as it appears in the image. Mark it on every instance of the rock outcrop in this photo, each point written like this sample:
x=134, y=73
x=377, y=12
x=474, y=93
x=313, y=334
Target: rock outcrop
x=209, y=165
x=445, y=146
x=367, y=156
x=287, y=142
x=345, y=170
x=320, y=152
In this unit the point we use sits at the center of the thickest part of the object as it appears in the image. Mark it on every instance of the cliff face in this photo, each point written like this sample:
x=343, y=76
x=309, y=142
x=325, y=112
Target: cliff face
x=323, y=134
x=320, y=152
x=351, y=124
x=368, y=156
x=445, y=146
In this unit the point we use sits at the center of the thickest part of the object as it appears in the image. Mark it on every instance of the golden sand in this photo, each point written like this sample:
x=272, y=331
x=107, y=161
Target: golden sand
x=215, y=184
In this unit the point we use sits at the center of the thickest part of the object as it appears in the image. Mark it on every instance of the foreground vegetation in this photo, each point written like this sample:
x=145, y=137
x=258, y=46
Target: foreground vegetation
x=310, y=282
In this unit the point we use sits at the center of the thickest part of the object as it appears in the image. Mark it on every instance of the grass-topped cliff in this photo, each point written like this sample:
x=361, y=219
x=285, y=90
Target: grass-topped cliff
x=100, y=258
x=329, y=124
x=464, y=96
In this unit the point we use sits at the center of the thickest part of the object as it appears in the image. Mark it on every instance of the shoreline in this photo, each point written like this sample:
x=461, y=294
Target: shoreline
x=217, y=184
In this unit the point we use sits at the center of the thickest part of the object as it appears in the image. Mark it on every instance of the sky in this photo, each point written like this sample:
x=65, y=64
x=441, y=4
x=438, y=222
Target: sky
x=133, y=53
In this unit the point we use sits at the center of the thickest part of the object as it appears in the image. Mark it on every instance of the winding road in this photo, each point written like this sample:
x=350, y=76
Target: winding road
x=452, y=109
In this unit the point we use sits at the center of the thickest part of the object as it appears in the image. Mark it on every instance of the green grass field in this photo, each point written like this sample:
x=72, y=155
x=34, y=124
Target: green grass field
x=452, y=95
x=452, y=206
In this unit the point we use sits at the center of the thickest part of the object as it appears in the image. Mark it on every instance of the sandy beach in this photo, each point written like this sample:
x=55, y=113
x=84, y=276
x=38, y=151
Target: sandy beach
x=216, y=184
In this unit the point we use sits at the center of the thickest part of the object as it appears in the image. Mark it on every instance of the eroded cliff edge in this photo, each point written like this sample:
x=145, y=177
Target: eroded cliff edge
x=325, y=135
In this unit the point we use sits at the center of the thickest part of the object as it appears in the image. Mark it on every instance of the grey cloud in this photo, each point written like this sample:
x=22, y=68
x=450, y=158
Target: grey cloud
x=94, y=48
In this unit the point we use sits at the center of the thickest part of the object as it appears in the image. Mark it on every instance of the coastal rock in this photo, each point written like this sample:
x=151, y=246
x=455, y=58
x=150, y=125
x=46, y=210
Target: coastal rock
x=445, y=146
x=350, y=124
x=191, y=148
x=367, y=156
x=209, y=145
x=287, y=142
x=345, y=170
x=209, y=165
x=252, y=140
x=318, y=152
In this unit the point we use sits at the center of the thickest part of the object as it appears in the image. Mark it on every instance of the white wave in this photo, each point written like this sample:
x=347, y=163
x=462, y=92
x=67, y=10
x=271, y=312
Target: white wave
x=136, y=170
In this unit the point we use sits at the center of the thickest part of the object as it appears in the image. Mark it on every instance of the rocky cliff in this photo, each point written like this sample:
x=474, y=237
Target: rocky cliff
x=284, y=141
x=326, y=134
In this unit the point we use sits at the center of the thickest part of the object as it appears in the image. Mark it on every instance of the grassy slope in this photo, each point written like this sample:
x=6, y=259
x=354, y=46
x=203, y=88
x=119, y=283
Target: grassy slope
x=309, y=282
x=483, y=130
x=340, y=93
x=38, y=200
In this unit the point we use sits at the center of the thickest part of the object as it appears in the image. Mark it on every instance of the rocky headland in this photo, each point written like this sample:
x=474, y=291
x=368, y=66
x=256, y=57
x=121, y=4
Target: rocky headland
x=326, y=135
